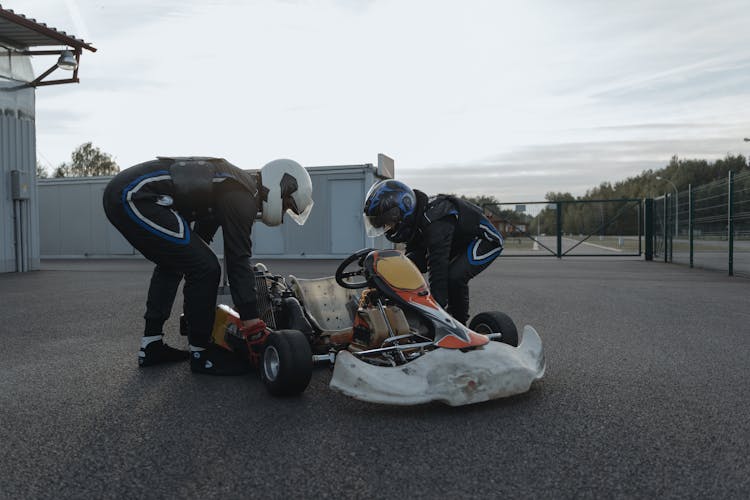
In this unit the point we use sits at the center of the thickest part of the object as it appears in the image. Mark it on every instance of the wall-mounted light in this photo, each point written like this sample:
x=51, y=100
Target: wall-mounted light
x=67, y=61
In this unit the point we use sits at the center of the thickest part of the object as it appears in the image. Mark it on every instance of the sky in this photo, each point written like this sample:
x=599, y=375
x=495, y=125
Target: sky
x=503, y=98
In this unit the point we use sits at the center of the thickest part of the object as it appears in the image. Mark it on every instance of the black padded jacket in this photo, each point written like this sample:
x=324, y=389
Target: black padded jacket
x=211, y=193
x=445, y=226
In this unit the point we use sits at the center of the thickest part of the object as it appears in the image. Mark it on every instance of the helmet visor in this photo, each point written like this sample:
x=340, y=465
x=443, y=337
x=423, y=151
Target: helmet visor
x=300, y=218
x=377, y=225
x=374, y=227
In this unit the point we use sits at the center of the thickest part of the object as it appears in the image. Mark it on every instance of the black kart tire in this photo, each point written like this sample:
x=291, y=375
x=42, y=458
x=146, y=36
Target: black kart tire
x=286, y=363
x=494, y=322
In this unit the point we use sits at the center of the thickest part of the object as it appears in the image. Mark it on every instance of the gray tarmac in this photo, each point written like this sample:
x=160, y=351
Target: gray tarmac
x=645, y=396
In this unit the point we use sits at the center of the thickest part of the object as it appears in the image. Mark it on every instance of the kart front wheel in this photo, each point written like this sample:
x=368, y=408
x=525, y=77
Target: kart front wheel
x=286, y=363
x=496, y=322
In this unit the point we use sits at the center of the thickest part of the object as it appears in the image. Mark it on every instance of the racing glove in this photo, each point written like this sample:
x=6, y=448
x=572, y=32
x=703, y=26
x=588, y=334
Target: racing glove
x=255, y=331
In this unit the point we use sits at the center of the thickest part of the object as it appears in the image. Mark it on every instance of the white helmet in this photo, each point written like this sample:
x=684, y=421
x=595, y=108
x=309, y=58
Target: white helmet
x=286, y=187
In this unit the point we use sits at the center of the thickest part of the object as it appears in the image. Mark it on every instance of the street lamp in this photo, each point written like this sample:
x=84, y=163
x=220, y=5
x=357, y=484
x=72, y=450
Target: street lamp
x=676, y=204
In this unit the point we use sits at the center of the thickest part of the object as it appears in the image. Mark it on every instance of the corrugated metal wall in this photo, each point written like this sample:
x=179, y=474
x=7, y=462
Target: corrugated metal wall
x=17, y=152
x=73, y=223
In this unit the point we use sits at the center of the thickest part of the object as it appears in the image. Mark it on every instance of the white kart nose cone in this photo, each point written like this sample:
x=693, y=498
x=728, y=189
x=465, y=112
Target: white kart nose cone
x=454, y=377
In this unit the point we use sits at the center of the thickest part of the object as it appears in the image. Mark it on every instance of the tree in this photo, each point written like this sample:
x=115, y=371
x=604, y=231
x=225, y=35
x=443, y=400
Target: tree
x=489, y=203
x=62, y=170
x=41, y=172
x=87, y=161
x=553, y=196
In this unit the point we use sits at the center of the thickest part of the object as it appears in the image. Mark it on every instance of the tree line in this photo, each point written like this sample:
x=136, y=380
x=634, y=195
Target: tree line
x=584, y=217
x=85, y=161
x=621, y=217
x=88, y=160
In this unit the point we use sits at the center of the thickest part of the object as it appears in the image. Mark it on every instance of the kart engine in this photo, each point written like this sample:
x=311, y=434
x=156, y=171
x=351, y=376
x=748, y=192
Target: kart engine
x=377, y=322
x=372, y=325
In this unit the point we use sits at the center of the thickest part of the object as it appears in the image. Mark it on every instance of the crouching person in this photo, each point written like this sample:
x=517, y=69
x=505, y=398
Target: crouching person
x=446, y=236
x=153, y=205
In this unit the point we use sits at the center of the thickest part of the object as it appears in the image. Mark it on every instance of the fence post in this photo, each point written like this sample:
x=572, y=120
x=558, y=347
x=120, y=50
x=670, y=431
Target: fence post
x=730, y=222
x=649, y=228
x=640, y=228
x=672, y=215
x=666, y=228
x=691, y=208
x=559, y=229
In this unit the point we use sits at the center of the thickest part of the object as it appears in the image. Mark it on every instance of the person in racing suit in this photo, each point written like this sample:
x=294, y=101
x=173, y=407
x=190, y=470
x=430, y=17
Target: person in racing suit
x=154, y=204
x=446, y=236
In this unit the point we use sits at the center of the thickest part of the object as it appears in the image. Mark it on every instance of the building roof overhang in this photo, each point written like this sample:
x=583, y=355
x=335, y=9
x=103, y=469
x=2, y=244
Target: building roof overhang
x=25, y=35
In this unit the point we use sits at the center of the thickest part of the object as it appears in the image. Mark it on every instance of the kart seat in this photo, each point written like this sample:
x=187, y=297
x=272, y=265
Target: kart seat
x=329, y=307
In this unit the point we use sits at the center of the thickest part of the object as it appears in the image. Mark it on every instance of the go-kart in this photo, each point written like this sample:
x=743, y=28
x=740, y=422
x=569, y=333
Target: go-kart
x=388, y=339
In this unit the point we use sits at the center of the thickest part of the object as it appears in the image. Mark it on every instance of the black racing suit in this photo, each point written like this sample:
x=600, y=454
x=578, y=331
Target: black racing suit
x=153, y=205
x=454, y=242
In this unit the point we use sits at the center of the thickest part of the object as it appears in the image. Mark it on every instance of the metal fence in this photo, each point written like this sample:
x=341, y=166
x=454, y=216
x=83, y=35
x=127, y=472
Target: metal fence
x=706, y=226
x=571, y=228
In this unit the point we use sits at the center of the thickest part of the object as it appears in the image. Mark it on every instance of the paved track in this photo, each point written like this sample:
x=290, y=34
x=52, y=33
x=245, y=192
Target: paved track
x=645, y=396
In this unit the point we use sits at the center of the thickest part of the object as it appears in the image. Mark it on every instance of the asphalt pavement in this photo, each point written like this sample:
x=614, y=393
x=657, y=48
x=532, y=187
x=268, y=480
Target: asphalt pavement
x=645, y=396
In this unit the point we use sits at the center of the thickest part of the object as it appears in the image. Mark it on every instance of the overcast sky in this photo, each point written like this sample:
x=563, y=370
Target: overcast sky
x=507, y=98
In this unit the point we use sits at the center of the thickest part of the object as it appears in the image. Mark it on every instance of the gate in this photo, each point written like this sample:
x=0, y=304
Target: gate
x=570, y=228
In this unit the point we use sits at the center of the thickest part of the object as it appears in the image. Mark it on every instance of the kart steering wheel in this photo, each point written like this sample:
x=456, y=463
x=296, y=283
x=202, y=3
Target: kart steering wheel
x=342, y=274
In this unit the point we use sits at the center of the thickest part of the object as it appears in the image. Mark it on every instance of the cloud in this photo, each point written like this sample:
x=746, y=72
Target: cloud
x=702, y=80
x=528, y=173
x=652, y=126
x=58, y=120
x=135, y=82
x=513, y=98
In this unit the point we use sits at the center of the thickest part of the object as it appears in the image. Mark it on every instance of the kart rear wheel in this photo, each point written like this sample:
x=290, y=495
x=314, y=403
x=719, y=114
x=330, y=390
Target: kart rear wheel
x=496, y=322
x=286, y=363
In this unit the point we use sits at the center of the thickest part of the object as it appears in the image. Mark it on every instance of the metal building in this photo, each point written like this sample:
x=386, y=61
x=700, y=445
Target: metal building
x=73, y=224
x=19, y=241
x=19, y=227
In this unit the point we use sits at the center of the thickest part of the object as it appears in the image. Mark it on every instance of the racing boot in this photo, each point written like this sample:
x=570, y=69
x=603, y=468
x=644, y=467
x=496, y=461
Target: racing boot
x=154, y=352
x=215, y=360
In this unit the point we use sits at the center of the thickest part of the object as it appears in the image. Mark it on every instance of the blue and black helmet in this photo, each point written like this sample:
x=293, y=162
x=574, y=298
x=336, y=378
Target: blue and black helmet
x=390, y=208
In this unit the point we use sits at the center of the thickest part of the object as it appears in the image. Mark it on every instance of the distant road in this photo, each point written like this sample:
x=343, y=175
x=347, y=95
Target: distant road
x=570, y=246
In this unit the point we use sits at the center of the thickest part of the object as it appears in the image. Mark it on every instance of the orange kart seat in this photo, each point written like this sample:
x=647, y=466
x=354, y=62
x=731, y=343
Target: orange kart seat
x=329, y=307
